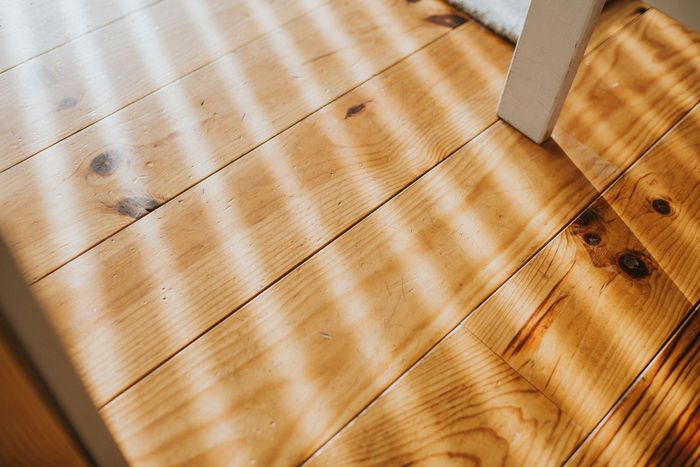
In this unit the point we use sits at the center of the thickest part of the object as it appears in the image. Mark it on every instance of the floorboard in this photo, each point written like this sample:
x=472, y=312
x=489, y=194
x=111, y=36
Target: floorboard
x=658, y=421
x=579, y=321
x=312, y=350
x=169, y=277
x=126, y=165
x=255, y=225
x=67, y=89
x=608, y=92
x=364, y=302
x=32, y=28
x=461, y=405
x=659, y=199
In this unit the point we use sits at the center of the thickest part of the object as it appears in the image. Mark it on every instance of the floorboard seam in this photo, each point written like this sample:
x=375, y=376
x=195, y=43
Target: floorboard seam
x=596, y=197
x=44, y=52
x=246, y=153
x=676, y=332
x=170, y=83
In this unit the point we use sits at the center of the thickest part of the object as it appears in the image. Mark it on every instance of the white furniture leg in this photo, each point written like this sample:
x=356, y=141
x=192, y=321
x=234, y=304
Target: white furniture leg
x=35, y=339
x=546, y=58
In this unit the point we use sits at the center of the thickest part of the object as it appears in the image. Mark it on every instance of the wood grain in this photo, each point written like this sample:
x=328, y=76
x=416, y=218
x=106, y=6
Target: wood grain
x=30, y=432
x=460, y=405
x=659, y=199
x=280, y=376
x=65, y=90
x=615, y=16
x=32, y=28
x=285, y=372
x=608, y=90
x=152, y=288
x=658, y=421
x=582, y=319
x=124, y=166
x=117, y=298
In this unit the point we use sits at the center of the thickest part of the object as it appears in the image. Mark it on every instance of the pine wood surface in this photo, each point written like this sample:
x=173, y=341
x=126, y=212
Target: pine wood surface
x=232, y=235
x=30, y=29
x=658, y=421
x=460, y=405
x=121, y=168
x=580, y=321
x=168, y=237
x=65, y=90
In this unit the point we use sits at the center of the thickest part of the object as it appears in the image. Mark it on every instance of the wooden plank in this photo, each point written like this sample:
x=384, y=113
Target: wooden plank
x=616, y=15
x=65, y=90
x=32, y=28
x=657, y=423
x=671, y=53
x=30, y=433
x=109, y=300
x=659, y=199
x=225, y=240
x=285, y=372
x=582, y=319
x=158, y=147
x=575, y=290
x=280, y=376
x=54, y=389
x=461, y=404
x=549, y=50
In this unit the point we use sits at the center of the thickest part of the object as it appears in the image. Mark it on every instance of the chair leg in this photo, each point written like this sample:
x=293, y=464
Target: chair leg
x=546, y=58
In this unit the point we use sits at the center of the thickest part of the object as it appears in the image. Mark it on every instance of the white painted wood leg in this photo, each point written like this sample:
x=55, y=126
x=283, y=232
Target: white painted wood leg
x=21, y=317
x=546, y=58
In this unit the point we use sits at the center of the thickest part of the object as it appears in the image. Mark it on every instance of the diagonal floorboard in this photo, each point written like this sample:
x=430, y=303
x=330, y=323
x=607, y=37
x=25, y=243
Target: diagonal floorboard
x=286, y=371
x=579, y=322
x=126, y=165
x=229, y=237
x=657, y=420
x=59, y=93
x=34, y=28
x=243, y=253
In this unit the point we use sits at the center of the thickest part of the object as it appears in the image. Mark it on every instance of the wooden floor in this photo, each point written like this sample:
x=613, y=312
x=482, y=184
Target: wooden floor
x=295, y=231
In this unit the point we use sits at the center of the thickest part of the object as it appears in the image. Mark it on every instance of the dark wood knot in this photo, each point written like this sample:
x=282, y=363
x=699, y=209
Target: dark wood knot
x=633, y=265
x=136, y=206
x=448, y=20
x=105, y=163
x=592, y=239
x=661, y=206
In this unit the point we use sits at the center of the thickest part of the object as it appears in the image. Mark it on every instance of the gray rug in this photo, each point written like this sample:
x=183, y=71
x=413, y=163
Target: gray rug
x=505, y=17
